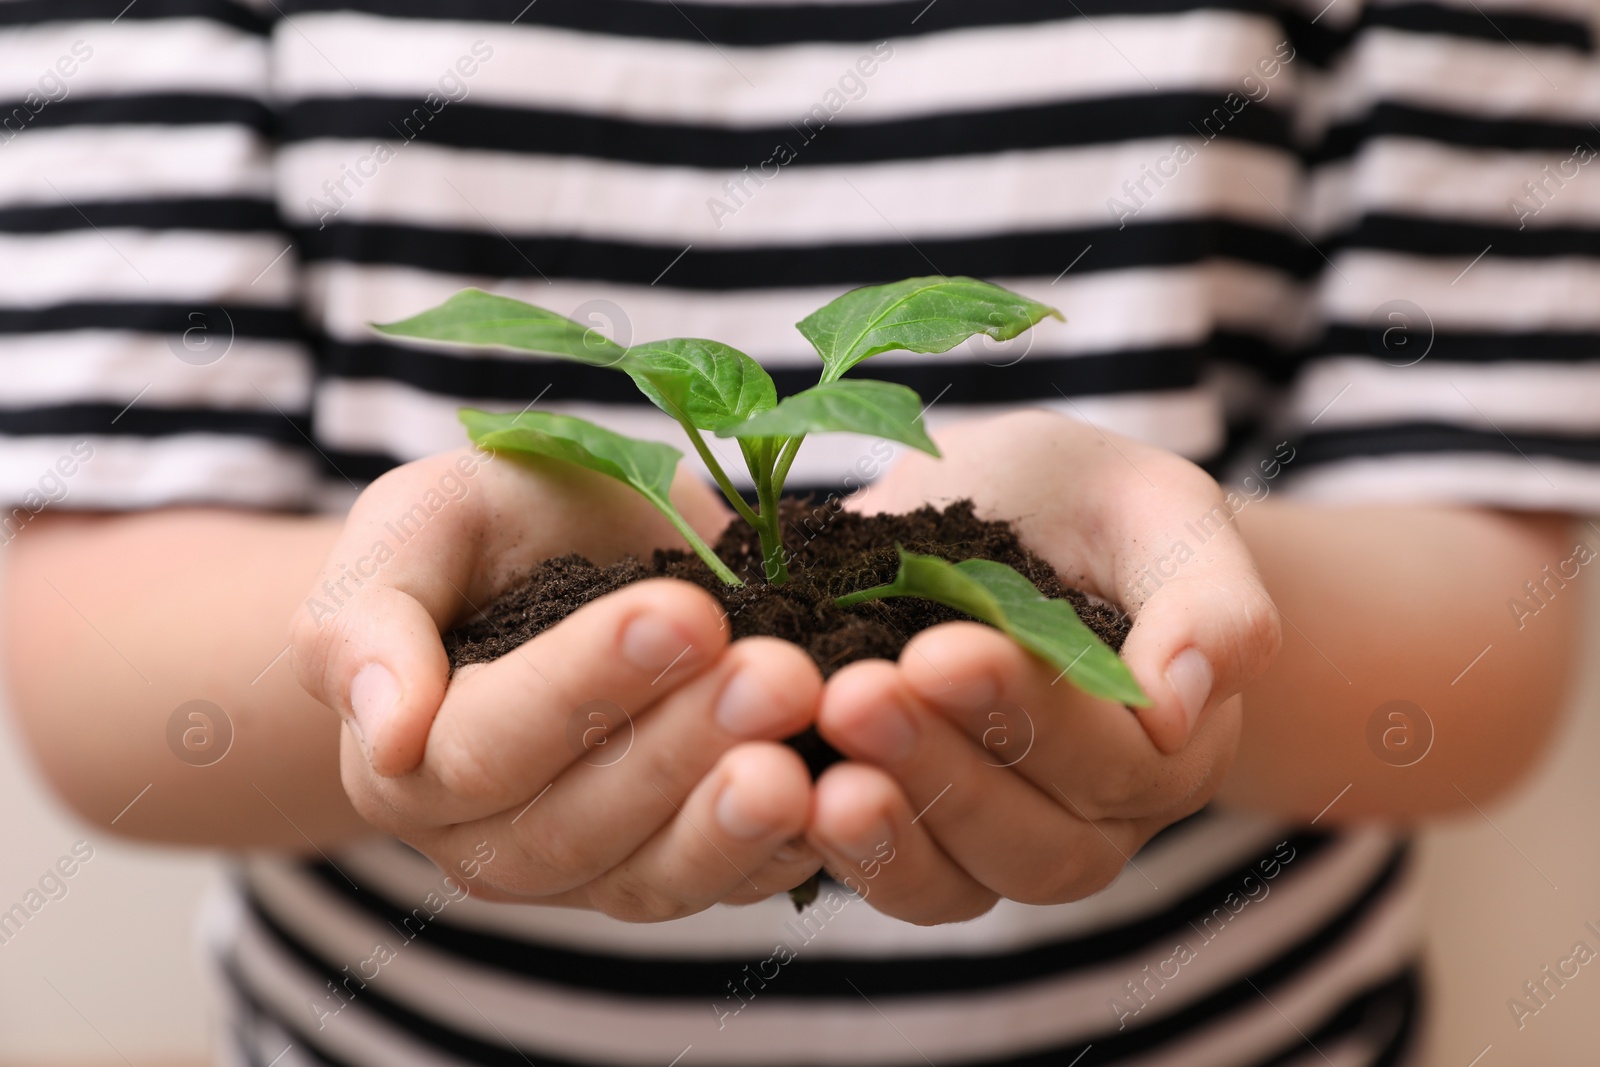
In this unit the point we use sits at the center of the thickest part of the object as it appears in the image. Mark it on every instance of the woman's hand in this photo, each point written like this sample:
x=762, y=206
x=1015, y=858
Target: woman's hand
x=498, y=773
x=974, y=772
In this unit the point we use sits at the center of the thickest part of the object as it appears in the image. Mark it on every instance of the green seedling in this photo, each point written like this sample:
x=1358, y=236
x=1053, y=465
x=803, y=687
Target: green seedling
x=709, y=387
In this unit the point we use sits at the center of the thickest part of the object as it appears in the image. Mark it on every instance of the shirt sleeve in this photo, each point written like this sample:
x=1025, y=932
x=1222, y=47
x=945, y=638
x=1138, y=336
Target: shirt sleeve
x=150, y=349
x=1452, y=215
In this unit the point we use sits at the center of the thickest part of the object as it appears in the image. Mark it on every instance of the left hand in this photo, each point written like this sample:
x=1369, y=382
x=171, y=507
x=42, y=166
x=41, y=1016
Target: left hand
x=972, y=773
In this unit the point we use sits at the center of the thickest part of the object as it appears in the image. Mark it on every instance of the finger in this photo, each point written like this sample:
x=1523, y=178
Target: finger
x=596, y=814
x=356, y=623
x=405, y=565
x=728, y=830
x=863, y=826
x=790, y=866
x=1028, y=718
x=1198, y=640
x=1010, y=836
x=391, y=670
x=506, y=729
x=762, y=689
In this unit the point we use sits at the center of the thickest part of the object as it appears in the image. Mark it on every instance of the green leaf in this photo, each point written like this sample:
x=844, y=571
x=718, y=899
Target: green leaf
x=927, y=315
x=858, y=405
x=709, y=382
x=474, y=317
x=648, y=466
x=998, y=595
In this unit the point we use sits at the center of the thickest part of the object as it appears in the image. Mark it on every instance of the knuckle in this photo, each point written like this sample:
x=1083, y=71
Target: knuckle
x=1185, y=474
x=1087, y=872
x=1104, y=869
x=628, y=900
x=1040, y=886
x=1119, y=787
x=1043, y=888
x=1188, y=792
x=460, y=769
x=545, y=859
x=1253, y=630
x=379, y=811
x=312, y=651
x=676, y=765
x=961, y=808
x=1263, y=626
x=305, y=637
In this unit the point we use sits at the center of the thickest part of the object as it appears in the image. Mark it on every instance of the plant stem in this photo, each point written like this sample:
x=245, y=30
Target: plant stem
x=723, y=481
x=791, y=448
x=701, y=549
x=775, y=567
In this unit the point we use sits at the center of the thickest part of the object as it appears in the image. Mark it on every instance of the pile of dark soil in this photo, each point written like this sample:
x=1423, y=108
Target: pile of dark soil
x=833, y=552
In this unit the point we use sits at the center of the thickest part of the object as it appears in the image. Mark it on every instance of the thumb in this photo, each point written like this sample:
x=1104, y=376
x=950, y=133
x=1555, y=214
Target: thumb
x=1198, y=640
x=378, y=660
x=418, y=546
x=366, y=639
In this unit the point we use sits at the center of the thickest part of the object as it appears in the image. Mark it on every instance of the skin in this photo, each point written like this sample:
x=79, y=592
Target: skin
x=112, y=621
x=1400, y=598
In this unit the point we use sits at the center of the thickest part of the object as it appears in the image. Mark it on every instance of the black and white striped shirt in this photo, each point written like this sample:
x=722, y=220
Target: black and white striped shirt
x=1366, y=230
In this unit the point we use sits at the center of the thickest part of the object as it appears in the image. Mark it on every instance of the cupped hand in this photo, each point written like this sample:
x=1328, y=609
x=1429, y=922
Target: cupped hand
x=974, y=772
x=626, y=759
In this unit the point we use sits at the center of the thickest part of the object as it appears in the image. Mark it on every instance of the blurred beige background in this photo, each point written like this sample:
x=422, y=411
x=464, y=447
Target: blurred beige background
x=107, y=974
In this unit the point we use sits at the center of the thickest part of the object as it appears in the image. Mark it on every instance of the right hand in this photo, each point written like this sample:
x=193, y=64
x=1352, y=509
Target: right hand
x=706, y=804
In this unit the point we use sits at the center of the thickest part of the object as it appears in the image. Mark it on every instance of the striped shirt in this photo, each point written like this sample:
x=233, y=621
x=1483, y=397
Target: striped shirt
x=1341, y=250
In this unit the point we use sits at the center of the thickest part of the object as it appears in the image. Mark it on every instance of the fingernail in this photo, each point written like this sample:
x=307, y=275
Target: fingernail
x=887, y=735
x=651, y=643
x=374, y=696
x=870, y=844
x=746, y=707
x=736, y=818
x=1189, y=675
